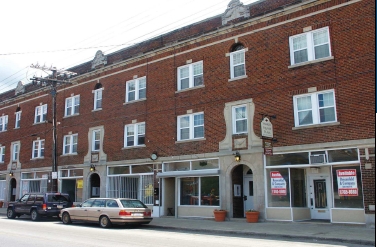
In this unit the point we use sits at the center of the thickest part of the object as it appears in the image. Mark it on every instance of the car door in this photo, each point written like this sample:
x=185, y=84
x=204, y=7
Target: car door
x=81, y=212
x=30, y=203
x=95, y=211
x=20, y=205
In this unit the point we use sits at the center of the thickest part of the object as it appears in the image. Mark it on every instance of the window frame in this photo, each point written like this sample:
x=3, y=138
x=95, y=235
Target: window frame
x=94, y=141
x=17, y=122
x=15, y=151
x=234, y=119
x=42, y=115
x=71, y=144
x=3, y=123
x=315, y=108
x=40, y=149
x=310, y=46
x=73, y=106
x=191, y=75
x=97, y=98
x=191, y=126
x=138, y=89
x=2, y=154
x=135, y=135
x=232, y=65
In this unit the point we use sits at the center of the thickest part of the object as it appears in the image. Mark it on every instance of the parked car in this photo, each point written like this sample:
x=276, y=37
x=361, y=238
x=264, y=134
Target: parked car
x=108, y=211
x=39, y=204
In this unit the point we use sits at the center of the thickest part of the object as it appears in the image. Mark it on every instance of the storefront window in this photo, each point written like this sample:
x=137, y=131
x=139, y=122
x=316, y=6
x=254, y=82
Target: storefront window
x=205, y=164
x=343, y=155
x=287, y=159
x=278, y=191
x=201, y=191
x=298, y=187
x=177, y=166
x=119, y=170
x=191, y=165
x=209, y=191
x=348, y=191
x=142, y=169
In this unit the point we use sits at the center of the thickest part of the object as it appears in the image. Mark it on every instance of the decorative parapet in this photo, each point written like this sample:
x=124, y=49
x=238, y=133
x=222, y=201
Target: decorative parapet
x=99, y=59
x=20, y=88
x=235, y=10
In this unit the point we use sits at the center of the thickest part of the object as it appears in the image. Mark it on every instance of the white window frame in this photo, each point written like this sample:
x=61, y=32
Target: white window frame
x=3, y=123
x=138, y=87
x=41, y=112
x=17, y=122
x=310, y=46
x=15, y=151
x=39, y=147
x=98, y=95
x=72, y=105
x=136, y=128
x=233, y=65
x=2, y=154
x=191, y=126
x=94, y=140
x=70, y=141
x=315, y=108
x=235, y=119
x=191, y=75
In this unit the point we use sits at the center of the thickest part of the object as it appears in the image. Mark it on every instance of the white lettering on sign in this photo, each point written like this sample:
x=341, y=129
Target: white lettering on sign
x=347, y=182
x=278, y=184
x=266, y=128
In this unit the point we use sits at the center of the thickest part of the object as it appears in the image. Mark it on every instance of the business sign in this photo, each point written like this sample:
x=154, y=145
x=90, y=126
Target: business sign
x=278, y=184
x=266, y=128
x=267, y=146
x=347, y=182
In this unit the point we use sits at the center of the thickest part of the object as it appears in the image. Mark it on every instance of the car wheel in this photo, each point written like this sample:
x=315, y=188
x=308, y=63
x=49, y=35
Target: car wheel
x=66, y=218
x=104, y=222
x=34, y=215
x=11, y=214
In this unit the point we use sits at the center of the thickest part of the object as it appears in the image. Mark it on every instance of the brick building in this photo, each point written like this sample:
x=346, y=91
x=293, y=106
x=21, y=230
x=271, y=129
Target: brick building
x=268, y=106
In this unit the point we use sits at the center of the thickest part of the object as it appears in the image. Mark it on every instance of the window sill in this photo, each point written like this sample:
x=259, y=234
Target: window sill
x=16, y=128
x=189, y=89
x=3, y=131
x=315, y=126
x=191, y=140
x=99, y=109
x=72, y=154
x=40, y=122
x=131, y=147
x=73, y=115
x=134, y=101
x=310, y=62
x=237, y=78
x=37, y=158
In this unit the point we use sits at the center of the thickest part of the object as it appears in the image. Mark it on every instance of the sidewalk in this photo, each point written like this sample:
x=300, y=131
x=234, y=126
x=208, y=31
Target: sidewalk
x=355, y=234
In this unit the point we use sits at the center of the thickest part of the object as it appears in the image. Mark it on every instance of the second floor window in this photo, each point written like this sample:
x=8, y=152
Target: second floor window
x=136, y=89
x=96, y=140
x=98, y=99
x=15, y=151
x=237, y=62
x=40, y=114
x=2, y=154
x=315, y=108
x=191, y=126
x=18, y=120
x=134, y=135
x=3, y=123
x=239, y=120
x=70, y=144
x=72, y=105
x=190, y=75
x=38, y=149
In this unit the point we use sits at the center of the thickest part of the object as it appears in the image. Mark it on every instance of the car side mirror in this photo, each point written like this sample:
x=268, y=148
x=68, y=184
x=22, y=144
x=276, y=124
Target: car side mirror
x=17, y=200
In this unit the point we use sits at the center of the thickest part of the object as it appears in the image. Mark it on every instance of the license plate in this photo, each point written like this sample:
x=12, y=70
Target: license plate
x=59, y=206
x=137, y=214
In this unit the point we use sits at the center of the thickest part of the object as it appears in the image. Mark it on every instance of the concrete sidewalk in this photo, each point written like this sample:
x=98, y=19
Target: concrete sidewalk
x=355, y=234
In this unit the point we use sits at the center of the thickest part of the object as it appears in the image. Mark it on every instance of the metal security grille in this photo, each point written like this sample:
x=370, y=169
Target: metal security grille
x=147, y=189
x=3, y=186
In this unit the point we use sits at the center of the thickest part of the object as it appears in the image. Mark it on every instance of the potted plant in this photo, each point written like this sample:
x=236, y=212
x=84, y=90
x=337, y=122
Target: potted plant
x=219, y=214
x=252, y=216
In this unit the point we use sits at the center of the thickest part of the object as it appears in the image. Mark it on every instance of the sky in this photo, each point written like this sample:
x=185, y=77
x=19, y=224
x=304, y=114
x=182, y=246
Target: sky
x=63, y=34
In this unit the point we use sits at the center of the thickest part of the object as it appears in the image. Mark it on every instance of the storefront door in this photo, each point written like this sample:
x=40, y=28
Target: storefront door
x=248, y=192
x=319, y=197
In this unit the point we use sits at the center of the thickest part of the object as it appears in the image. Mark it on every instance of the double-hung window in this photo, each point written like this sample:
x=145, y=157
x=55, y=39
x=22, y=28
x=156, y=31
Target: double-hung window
x=134, y=135
x=3, y=123
x=2, y=154
x=15, y=151
x=191, y=126
x=96, y=140
x=72, y=105
x=98, y=99
x=237, y=63
x=18, y=120
x=40, y=114
x=136, y=89
x=190, y=75
x=38, y=149
x=70, y=144
x=315, y=108
x=310, y=46
x=239, y=119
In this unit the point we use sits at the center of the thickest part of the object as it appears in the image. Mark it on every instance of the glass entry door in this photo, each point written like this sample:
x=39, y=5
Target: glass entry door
x=319, y=197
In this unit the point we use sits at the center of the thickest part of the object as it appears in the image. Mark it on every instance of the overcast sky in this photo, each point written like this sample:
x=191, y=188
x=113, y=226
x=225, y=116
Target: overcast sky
x=66, y=33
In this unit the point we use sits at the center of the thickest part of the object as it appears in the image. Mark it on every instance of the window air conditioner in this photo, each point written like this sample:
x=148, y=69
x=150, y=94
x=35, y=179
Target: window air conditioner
x=318, y=159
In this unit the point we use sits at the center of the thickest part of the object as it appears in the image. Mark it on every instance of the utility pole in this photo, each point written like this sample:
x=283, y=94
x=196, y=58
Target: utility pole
x=53, y=82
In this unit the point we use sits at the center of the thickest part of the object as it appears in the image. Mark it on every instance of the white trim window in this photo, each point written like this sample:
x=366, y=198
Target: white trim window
x=3, y=123
x=70, y=144
x=190, y=126
x=237, y=64
x=96, y=140
x=136, y=89
x=190, y=75
x=38, y=149
x=239, y=119
x=17, y=122
x=2, y=154
x=310, y=46
x=315, y=108
x=97, y=99
x=72, y=105
x=134, y=135
x=15, y=151
x=40, y=114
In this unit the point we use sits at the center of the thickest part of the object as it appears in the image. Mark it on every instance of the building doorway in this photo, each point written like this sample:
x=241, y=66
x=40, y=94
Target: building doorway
x=13, y=190
x=243, y=190
x=95, y=185
x=248, y=190
x=319, y=197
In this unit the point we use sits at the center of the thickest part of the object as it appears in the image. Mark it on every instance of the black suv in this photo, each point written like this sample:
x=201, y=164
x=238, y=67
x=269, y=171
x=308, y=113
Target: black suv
x=38, y=204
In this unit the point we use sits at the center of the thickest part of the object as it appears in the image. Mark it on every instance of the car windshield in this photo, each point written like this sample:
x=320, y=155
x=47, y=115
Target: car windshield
x=58, y=198
x=132, y=204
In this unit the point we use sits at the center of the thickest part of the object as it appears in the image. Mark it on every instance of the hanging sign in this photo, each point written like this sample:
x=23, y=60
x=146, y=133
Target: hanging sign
x=266, y=128
x=267, y=145
x=347, y=182
x=278, y=184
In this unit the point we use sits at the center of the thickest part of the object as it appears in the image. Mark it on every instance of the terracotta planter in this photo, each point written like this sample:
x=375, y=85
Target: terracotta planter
x=252, y=217
x=220, y=215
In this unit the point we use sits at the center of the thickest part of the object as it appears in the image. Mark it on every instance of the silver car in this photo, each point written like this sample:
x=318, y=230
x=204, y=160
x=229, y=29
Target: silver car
x=108, y=211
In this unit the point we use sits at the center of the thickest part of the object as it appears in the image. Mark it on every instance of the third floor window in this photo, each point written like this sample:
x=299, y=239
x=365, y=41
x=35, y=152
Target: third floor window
x=40, y=114
x=190, y=75
x=3, y=123
x=72, y=105
x=136, y=89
